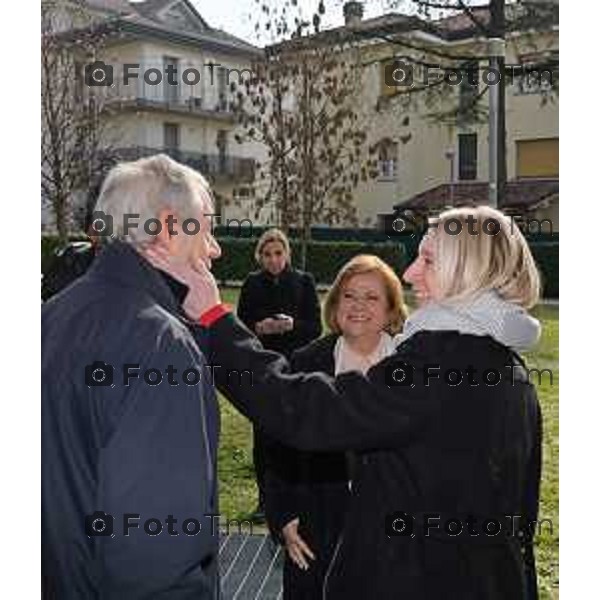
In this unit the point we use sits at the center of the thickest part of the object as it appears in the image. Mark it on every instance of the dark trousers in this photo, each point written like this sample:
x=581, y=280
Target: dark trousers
x=308, y=585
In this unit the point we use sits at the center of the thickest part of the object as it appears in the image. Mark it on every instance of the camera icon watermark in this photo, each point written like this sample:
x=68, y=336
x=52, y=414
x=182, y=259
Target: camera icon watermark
x=400, y=374
x=99, y=524
x=399, y=524
x=403, y=223
x=98, y=74
x=101, y=224
x=99, y=374
x=399, y=74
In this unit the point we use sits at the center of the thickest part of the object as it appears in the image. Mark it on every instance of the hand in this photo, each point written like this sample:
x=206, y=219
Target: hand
x=286, y=323
x=267, y=326
x=203, y=292
x=295, y=546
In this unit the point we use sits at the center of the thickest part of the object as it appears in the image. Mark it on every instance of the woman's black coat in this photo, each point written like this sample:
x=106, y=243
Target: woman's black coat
x=428, y=454
x=312, y=486
x=293, y=293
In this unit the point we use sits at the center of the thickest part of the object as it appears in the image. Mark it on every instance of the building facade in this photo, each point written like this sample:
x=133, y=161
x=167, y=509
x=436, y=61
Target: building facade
x=440, y=148
x=164, y=78
x=432, y=145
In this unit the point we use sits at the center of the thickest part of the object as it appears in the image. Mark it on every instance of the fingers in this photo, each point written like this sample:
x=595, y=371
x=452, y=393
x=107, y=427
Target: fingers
x=299, y=552
x=303, y=546
x=297, y=557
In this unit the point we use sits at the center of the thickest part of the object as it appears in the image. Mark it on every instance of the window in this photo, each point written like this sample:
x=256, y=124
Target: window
x=467, y=156
x=388, y=159
x=171, y=92
x=243, y=194
x=171, y=136
x=537, y=158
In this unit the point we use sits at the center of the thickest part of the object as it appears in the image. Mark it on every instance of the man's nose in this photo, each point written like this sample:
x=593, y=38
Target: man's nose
x=214, y=250
x=411, y=273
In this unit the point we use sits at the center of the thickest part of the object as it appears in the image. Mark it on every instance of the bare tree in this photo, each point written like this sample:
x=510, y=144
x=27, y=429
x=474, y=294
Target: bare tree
x=301, y=106
x=75, y=138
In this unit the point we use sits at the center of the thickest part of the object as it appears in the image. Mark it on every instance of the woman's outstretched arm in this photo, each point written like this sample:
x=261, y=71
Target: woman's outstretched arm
x=313, y=411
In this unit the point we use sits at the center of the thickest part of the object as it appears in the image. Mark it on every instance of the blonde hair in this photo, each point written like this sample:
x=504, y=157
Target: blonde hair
x=480, y=248
x=272, y=235
x=361, y=264
x=145, y=187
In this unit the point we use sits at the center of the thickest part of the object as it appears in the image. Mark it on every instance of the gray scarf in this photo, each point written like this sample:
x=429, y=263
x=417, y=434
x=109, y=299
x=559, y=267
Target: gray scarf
x=485, y=314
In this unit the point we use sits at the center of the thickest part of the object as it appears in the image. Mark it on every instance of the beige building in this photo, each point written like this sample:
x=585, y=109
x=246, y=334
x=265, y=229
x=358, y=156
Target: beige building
x=428, y=162
x=164, y=79
x=422, y=162
x=446, y=162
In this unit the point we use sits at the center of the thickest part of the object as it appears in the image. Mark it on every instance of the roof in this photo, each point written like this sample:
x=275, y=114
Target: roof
x=173, y=20
x=526, y=194
x=113, y=6
x=519, y=17
x=152, y=9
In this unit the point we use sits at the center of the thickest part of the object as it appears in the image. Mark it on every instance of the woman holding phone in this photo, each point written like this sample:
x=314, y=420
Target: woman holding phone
x=447, y=429
x=280, y=305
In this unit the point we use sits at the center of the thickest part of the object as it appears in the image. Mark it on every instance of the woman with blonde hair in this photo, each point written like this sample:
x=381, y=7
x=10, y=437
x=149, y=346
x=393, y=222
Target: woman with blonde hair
x=280, y=305
x=307, y=492
x=447, y=429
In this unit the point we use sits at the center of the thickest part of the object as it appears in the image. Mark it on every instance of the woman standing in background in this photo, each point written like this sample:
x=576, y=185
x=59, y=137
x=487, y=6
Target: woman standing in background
x=280, y=305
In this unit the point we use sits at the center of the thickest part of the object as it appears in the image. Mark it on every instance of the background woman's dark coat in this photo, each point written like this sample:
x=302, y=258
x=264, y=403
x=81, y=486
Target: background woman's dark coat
x=293, y=293
x=312, y=486
x=263, y=295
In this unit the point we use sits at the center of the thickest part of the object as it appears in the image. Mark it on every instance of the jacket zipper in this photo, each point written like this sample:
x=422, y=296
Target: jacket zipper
x=330, y=567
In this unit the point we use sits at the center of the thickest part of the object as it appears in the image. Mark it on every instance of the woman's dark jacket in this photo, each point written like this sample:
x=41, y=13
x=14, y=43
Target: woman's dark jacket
x=427, y=454
x=310, y=485
x=293, y=293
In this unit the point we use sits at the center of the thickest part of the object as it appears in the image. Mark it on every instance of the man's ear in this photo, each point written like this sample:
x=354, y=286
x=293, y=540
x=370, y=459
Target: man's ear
x=169, y=224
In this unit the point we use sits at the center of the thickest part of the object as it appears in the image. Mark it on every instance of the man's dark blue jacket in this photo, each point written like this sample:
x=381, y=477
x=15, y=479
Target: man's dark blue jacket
x=137, y=449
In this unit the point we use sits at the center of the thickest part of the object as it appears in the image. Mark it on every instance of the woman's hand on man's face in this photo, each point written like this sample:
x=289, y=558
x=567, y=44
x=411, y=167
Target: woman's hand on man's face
x=203, y=292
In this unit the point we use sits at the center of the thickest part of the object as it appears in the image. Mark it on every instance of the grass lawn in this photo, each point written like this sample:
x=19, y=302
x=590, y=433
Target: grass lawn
x=236, y=475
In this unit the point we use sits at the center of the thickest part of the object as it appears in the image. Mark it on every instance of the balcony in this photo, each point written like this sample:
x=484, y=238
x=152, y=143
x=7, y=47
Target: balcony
x=215, y=167
x=183, y=106
x=180, y=99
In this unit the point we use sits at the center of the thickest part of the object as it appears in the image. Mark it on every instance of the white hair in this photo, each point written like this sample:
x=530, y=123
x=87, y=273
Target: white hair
x=145, y=187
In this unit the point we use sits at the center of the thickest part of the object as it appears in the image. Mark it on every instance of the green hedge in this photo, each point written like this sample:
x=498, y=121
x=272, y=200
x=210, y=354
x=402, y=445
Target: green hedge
x=326, y=258
x=546, y=257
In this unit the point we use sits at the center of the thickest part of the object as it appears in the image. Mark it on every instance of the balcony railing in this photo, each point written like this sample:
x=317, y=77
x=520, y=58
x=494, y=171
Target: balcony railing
x=213, y=166
x=180, y=98
x=191, y=106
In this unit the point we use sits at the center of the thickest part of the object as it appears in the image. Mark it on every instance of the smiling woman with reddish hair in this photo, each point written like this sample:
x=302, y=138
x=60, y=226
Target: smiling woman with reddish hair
x=307, y=492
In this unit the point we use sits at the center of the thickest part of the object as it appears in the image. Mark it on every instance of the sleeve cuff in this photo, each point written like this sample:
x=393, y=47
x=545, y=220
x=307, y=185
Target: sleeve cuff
x=212, y=315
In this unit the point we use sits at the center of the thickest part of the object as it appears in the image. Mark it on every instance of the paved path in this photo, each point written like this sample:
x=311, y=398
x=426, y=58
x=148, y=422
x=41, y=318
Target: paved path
x=251, y=567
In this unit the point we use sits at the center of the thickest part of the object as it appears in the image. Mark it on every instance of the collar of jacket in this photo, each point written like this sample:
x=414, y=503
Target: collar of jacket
x=287, y=270
x=121, y=263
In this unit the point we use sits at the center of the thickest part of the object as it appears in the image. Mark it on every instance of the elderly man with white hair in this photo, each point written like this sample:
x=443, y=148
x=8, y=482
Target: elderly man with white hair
x=129, y=414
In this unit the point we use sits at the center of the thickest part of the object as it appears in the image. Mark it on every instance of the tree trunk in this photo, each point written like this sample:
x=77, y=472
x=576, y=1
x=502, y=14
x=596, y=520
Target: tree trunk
x=60, y=214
